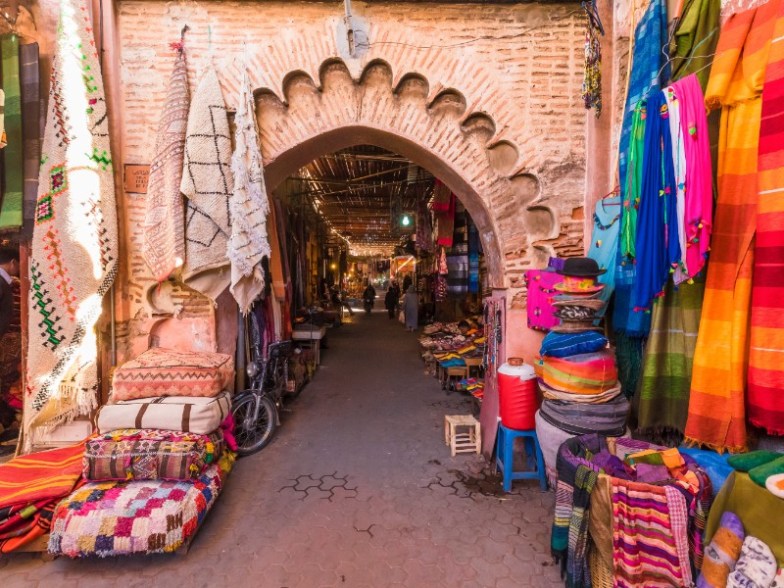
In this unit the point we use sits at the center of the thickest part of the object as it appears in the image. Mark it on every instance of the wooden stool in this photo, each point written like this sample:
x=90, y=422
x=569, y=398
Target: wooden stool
x=462, y=441
x=458, y=372
x=473, y=363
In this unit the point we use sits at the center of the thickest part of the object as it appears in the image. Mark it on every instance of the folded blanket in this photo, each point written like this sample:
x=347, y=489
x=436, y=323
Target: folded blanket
x=30, y=487
x=607, y=418
x=586, y=373
x=761, y=473
x=568, y=344
x=150, y=454
x=744, y=462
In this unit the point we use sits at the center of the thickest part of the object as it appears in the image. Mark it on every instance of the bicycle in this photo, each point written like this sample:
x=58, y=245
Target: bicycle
x=256, y=411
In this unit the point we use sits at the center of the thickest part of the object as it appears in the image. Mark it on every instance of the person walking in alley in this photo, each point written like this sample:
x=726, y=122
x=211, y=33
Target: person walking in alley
x=391, y=298
x=369, y=297
x=411, y=308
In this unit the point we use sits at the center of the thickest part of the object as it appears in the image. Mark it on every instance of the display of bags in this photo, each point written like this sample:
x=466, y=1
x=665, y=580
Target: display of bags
x=194, y=414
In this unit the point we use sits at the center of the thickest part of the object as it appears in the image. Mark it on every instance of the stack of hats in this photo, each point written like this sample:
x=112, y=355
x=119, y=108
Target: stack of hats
x=578, y=375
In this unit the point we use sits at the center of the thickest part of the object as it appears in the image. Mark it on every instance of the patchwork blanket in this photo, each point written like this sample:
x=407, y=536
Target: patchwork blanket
x=169, y=372
x=30, y=487
x=74, y=247
x=124, y=518
x=150, y=454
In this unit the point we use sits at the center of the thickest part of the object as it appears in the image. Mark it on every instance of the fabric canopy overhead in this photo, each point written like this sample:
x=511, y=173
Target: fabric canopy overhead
x=74, y=249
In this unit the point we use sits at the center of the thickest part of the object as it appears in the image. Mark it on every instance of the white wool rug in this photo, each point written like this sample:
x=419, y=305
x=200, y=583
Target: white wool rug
x=163, y=248
x=74, y=248
x=207, y=184
x=249, y=205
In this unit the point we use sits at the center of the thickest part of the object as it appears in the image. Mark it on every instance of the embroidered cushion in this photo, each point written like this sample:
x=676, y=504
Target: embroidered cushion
x=168, y=372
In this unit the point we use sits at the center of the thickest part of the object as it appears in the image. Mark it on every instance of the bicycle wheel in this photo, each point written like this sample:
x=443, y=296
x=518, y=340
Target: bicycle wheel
x=253, y=436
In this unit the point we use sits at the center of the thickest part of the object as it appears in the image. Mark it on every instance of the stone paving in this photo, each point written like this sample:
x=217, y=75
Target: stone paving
x=356, y=490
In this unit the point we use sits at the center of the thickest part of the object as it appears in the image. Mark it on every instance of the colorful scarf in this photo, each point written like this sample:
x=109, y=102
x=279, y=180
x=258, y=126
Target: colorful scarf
x=11, y=209
x=207, y=184
x=248, y=205
x=766, y=370
x=74, y=249
x=657, y=248
x=445, y=223
x=716, y=405
x=678, y=156
x=162, y=246
x=650, y=540
x=698, y=221
x=695, y=38
x=667, y=364
x=31, y=130
x=577, y=478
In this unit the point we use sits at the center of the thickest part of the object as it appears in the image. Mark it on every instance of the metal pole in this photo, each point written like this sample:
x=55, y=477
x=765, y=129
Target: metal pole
x=349, y=27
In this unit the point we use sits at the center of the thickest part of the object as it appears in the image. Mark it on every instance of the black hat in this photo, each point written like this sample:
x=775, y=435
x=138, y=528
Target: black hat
x=581, y=267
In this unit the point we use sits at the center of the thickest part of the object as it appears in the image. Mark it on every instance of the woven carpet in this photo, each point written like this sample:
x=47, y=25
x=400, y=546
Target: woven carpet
x=162, y=247
x=716, y=404
x=248, y=204
x=207, y=184
x=766, y=370
x=11, y=209
x=74, y=249
x=123, y=518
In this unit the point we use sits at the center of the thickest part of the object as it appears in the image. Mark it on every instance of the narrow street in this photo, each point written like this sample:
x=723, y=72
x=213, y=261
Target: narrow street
x=357, y=489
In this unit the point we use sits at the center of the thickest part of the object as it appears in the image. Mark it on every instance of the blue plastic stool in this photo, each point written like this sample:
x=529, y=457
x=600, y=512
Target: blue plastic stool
x=533, y=456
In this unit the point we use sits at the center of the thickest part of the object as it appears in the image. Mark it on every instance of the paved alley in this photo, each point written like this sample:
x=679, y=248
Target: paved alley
x=356, y=490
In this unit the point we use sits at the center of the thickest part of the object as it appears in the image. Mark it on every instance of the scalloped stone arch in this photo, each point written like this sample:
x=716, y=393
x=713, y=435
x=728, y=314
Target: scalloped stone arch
x=434, y=129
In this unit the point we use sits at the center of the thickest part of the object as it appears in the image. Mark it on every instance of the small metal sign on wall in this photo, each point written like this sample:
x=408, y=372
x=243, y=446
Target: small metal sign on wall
x=136, y=177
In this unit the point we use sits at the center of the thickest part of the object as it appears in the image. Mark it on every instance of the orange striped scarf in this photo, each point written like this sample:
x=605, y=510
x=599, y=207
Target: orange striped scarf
x=766, y=350
x=716, y=405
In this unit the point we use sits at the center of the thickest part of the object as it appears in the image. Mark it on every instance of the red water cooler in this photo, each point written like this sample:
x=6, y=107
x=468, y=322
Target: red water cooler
x=517, y=394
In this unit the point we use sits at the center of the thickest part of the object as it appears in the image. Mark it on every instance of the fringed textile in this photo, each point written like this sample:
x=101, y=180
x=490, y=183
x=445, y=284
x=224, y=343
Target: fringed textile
x=74, y=249
x=694, y=40
x=592, y=68
x=650, y=543
x=11, y=209
x=716, y=404
x=207, y=184
x=162, y=246
x=667, y=364
x=248, y=204
x=766, y=370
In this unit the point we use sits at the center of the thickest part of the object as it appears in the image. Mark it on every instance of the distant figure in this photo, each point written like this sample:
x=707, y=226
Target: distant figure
x=339, y=303
x=390, y=300
x=411, y=308
x=407, y=281
x=369, y=297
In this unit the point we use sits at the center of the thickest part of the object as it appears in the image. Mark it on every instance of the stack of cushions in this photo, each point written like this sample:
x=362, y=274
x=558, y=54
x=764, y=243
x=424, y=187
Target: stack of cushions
x=154, y=467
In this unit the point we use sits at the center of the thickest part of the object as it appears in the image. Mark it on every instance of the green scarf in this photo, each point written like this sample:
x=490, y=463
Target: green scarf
x=634, y=176
x=695, y=38
x=11, y=208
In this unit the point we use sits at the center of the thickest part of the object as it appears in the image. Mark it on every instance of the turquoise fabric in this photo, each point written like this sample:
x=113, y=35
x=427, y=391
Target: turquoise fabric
x=604, y=244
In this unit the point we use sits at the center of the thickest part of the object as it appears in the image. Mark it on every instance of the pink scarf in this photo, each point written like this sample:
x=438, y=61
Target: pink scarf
x=699, y=172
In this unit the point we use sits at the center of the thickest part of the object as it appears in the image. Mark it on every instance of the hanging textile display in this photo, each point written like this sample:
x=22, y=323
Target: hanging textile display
x=766, y=340
x=474, y=248
x=74, y=248
x=678, y=158
x=604, y=244
x=541, y=295
x=658, y=251
x=248, y=204
x=667, y=363
x=445, y=223
x=424, y=228
x=207, y=184
x=11, y=209
x=694, y=40
x=716, y=405
x=31, y=130
x=162, y=246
